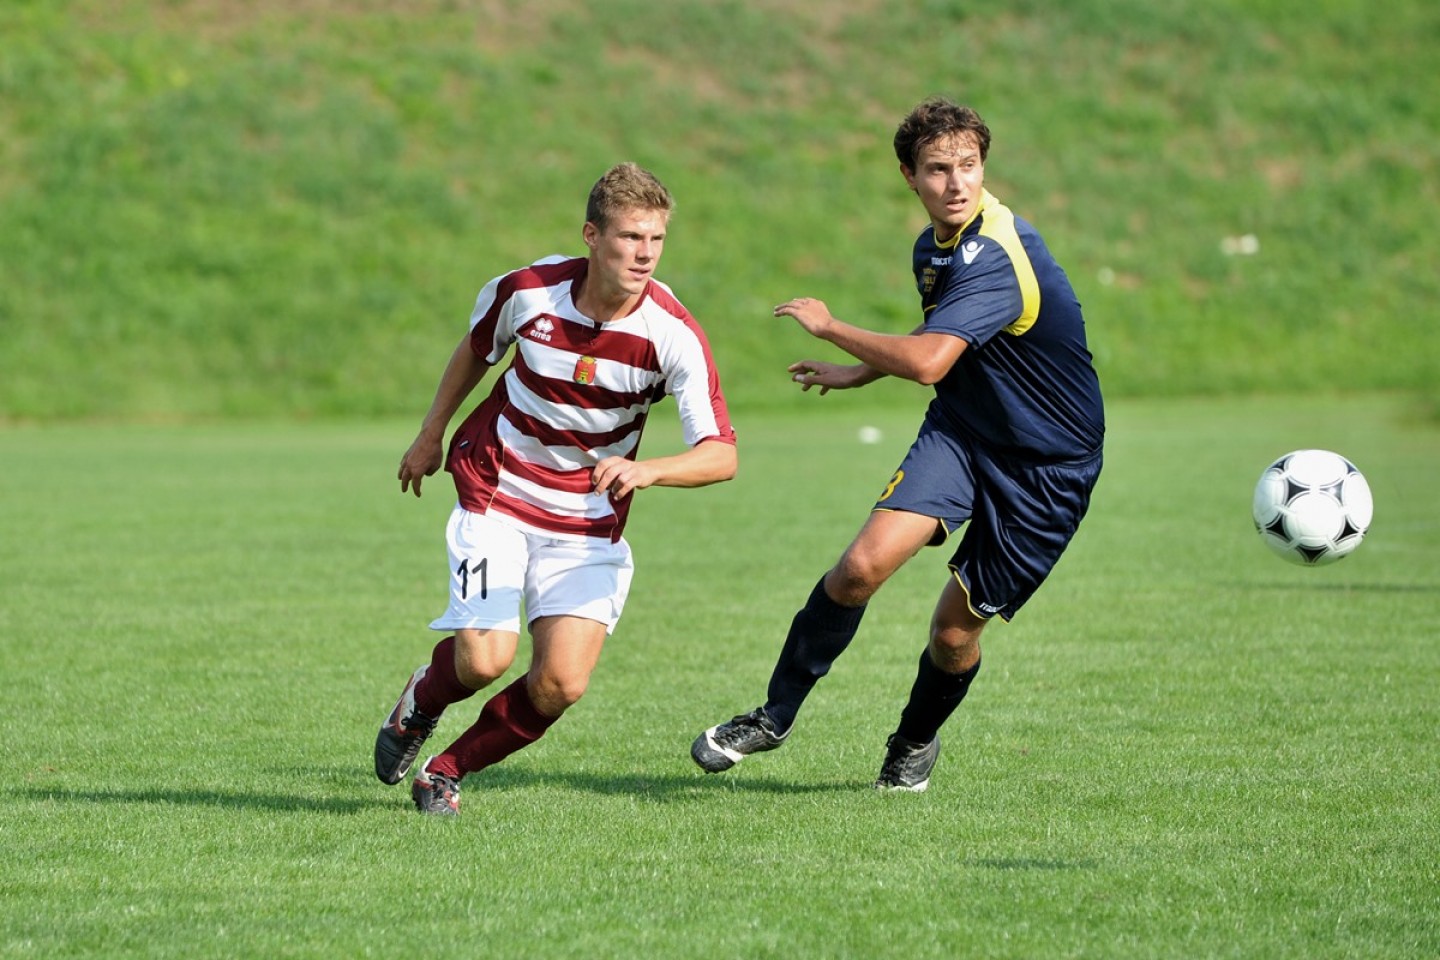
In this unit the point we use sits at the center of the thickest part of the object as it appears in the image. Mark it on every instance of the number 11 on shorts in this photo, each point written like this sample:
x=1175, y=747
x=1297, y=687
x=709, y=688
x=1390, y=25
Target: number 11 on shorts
x=463, y=573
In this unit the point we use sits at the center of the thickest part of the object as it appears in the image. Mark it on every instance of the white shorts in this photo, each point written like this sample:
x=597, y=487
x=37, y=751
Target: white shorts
x=494, y=567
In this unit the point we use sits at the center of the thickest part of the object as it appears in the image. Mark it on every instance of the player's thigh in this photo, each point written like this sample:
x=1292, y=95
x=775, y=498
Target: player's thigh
x=887, y=540
x=482, y=656
x=936, y=479
x=587, y=579
x=1022, y=524
x=566, y=650
x=955, y=629
x=489, y=561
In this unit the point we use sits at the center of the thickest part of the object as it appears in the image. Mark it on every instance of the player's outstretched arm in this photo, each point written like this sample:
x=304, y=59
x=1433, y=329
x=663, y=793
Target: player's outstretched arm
x=427, y=454
x=919, y=356
x=832, y=376
x=709, y=461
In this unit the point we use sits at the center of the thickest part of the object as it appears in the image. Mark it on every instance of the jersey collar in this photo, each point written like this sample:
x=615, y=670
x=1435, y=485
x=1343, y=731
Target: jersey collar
x=986, y=199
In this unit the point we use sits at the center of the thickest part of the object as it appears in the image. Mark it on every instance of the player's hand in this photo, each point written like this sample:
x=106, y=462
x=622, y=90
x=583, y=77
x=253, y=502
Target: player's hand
x=619, y=476
x=424, y=457
x=810, y=313
x=826, y=376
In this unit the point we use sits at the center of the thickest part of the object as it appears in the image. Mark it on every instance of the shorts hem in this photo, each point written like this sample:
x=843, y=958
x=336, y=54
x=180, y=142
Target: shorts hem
x=445, y=625
x=987, y=617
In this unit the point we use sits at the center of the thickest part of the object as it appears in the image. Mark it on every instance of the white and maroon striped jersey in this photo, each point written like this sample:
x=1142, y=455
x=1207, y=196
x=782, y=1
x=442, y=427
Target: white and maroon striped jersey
x=576, y=391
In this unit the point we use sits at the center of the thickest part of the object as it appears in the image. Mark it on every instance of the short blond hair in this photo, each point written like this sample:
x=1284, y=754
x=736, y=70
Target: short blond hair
x=626, y=186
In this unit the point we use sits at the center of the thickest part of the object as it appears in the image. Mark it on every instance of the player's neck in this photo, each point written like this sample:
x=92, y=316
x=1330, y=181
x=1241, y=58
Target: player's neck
x=604, y=306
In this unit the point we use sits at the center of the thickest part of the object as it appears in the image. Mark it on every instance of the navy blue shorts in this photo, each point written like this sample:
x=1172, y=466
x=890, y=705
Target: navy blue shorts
x=1022, y=514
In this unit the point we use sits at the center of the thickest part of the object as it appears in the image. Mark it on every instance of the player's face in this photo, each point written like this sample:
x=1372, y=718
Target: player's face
x=623, y=256
x=949, y=178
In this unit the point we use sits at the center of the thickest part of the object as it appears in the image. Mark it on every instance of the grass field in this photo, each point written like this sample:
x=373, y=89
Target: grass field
x=222, y=224
x=1181, y=748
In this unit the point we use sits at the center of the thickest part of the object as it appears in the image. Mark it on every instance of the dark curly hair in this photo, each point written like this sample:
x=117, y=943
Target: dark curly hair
x=933, y=118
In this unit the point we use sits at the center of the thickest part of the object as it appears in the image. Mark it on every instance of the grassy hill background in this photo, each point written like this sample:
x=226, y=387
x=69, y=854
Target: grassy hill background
x=213, y=208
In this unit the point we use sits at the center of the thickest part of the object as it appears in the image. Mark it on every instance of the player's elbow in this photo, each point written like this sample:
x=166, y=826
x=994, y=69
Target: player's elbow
x=930, y=357
x=727, y=462
x=930, y=372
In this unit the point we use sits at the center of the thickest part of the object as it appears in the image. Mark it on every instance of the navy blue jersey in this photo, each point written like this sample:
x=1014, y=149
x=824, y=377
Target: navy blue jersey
x=1025, y=385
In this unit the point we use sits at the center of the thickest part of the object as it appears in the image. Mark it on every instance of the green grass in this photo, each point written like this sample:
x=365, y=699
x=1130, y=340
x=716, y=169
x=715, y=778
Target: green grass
x=1181, y=747
x=219, y=209
x=217, y=213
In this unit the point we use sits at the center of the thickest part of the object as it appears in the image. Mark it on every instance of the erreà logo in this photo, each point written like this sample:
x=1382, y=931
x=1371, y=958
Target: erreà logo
x=541, y=329
x=585, y=370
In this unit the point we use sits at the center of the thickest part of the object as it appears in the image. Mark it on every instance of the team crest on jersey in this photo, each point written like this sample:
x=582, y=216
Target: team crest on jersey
x=927, y=280
x=585, y=370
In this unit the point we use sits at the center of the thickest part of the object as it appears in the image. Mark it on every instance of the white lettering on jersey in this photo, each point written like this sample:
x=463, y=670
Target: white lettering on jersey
x=542, y=329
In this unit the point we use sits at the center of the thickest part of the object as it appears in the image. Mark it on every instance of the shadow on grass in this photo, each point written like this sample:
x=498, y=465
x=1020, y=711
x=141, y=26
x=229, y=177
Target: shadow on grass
x=223, y=799
x=664, y=788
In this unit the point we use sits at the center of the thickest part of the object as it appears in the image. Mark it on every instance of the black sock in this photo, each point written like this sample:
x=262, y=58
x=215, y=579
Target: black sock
x=818, y=635
x=933, y=698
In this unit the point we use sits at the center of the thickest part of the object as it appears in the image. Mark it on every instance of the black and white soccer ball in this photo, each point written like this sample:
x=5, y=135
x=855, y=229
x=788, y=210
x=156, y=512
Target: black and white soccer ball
x=1312, y=507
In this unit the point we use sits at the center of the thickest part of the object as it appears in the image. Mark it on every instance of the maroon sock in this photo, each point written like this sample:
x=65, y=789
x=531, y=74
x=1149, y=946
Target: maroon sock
x=440, y=687
x=507, y=723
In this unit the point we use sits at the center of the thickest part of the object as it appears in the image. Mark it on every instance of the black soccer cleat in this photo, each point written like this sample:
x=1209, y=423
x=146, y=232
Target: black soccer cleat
x=726, y=744
x=402, y=734
x=907, y=764
x=435, y=793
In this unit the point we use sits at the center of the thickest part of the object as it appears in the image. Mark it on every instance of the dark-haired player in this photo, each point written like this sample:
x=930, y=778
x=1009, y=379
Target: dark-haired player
x=1011, y=443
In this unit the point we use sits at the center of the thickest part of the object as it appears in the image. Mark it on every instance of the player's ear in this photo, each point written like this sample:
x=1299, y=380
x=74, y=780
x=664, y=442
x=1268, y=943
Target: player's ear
x=909, y=176
x=591, y=233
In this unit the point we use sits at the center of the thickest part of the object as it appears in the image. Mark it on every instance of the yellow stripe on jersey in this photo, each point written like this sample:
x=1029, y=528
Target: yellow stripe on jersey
x=999, y=225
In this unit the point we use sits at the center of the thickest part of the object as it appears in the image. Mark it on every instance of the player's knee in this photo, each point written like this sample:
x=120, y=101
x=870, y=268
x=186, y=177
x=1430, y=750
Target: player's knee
x=553, y=695
x=855, y=579
x=955, y=626
x=954, y=652
x=955, y=641
x=479, y=664
x=479, y=673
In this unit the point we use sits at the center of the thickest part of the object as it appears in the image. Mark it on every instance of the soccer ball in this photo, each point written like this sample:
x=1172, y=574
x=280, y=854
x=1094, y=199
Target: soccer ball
x=1312, y=507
